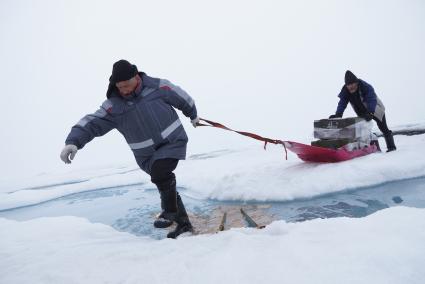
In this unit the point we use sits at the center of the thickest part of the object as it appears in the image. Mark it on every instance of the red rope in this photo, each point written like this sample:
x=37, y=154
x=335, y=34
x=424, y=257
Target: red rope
x=251, y=135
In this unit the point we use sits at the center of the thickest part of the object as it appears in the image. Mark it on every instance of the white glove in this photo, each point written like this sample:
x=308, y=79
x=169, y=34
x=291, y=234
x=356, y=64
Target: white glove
x=195, y=121
x=68, y=153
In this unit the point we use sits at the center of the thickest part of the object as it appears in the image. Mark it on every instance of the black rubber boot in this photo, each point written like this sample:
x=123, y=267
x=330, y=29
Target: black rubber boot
x=389, y=139
x=182, y=220
x=180, y=229
x=163, y=220
x=168, y=196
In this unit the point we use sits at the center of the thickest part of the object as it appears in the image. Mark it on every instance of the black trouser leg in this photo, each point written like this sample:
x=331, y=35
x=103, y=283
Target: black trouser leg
x=382, y=125
x=388, y=134
x=163, y=177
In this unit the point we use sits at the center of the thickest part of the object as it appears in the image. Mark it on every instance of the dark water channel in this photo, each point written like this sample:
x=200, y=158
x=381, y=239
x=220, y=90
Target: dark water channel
x=132, y=209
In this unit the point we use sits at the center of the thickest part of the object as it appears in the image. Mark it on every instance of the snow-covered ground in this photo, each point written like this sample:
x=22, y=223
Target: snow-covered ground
x=386, y=247
x=269, y=67
x=411, y=128
x=243, y=174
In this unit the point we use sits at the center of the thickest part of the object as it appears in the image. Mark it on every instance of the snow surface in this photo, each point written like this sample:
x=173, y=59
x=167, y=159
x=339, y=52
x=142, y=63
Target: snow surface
x=244, y=174
x=408, y=127
x=386, y=247
x=282, y=70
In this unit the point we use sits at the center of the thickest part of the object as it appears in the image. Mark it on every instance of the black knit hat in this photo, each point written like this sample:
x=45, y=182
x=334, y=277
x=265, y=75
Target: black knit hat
x=350, y=78
x=122, y=71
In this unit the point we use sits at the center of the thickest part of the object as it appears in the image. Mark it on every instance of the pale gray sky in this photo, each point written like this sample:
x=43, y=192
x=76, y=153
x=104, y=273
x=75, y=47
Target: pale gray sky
x=270, y=67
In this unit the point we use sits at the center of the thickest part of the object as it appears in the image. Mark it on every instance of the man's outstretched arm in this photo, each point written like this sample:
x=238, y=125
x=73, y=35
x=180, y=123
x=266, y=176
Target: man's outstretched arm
x=342, y=105
x=89, y=127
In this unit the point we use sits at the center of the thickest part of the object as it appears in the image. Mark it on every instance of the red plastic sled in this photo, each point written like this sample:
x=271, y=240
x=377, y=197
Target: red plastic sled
x=325, y=155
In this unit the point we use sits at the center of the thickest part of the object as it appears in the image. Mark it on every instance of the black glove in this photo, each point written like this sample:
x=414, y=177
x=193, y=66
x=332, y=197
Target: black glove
x=367, y=116
x=335, y=116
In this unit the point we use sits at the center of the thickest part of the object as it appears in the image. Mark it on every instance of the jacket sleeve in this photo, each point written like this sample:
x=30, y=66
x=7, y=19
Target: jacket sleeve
x=369, y=97
x=90, y=126
x=178, y=98
x=342, y=104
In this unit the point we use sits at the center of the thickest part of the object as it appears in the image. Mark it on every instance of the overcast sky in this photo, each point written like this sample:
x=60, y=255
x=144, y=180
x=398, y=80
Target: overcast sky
x=270, y=67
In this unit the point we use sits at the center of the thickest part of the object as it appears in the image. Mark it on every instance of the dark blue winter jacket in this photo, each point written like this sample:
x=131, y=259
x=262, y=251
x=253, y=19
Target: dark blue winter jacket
x=369, y=99
x=146, y=119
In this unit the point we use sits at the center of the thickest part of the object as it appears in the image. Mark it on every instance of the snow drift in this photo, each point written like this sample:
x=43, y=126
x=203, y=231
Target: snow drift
x=386, y=247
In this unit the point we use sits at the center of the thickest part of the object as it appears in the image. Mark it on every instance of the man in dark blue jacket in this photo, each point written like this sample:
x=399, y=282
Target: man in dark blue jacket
x=141, y=108
x=365, y=103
